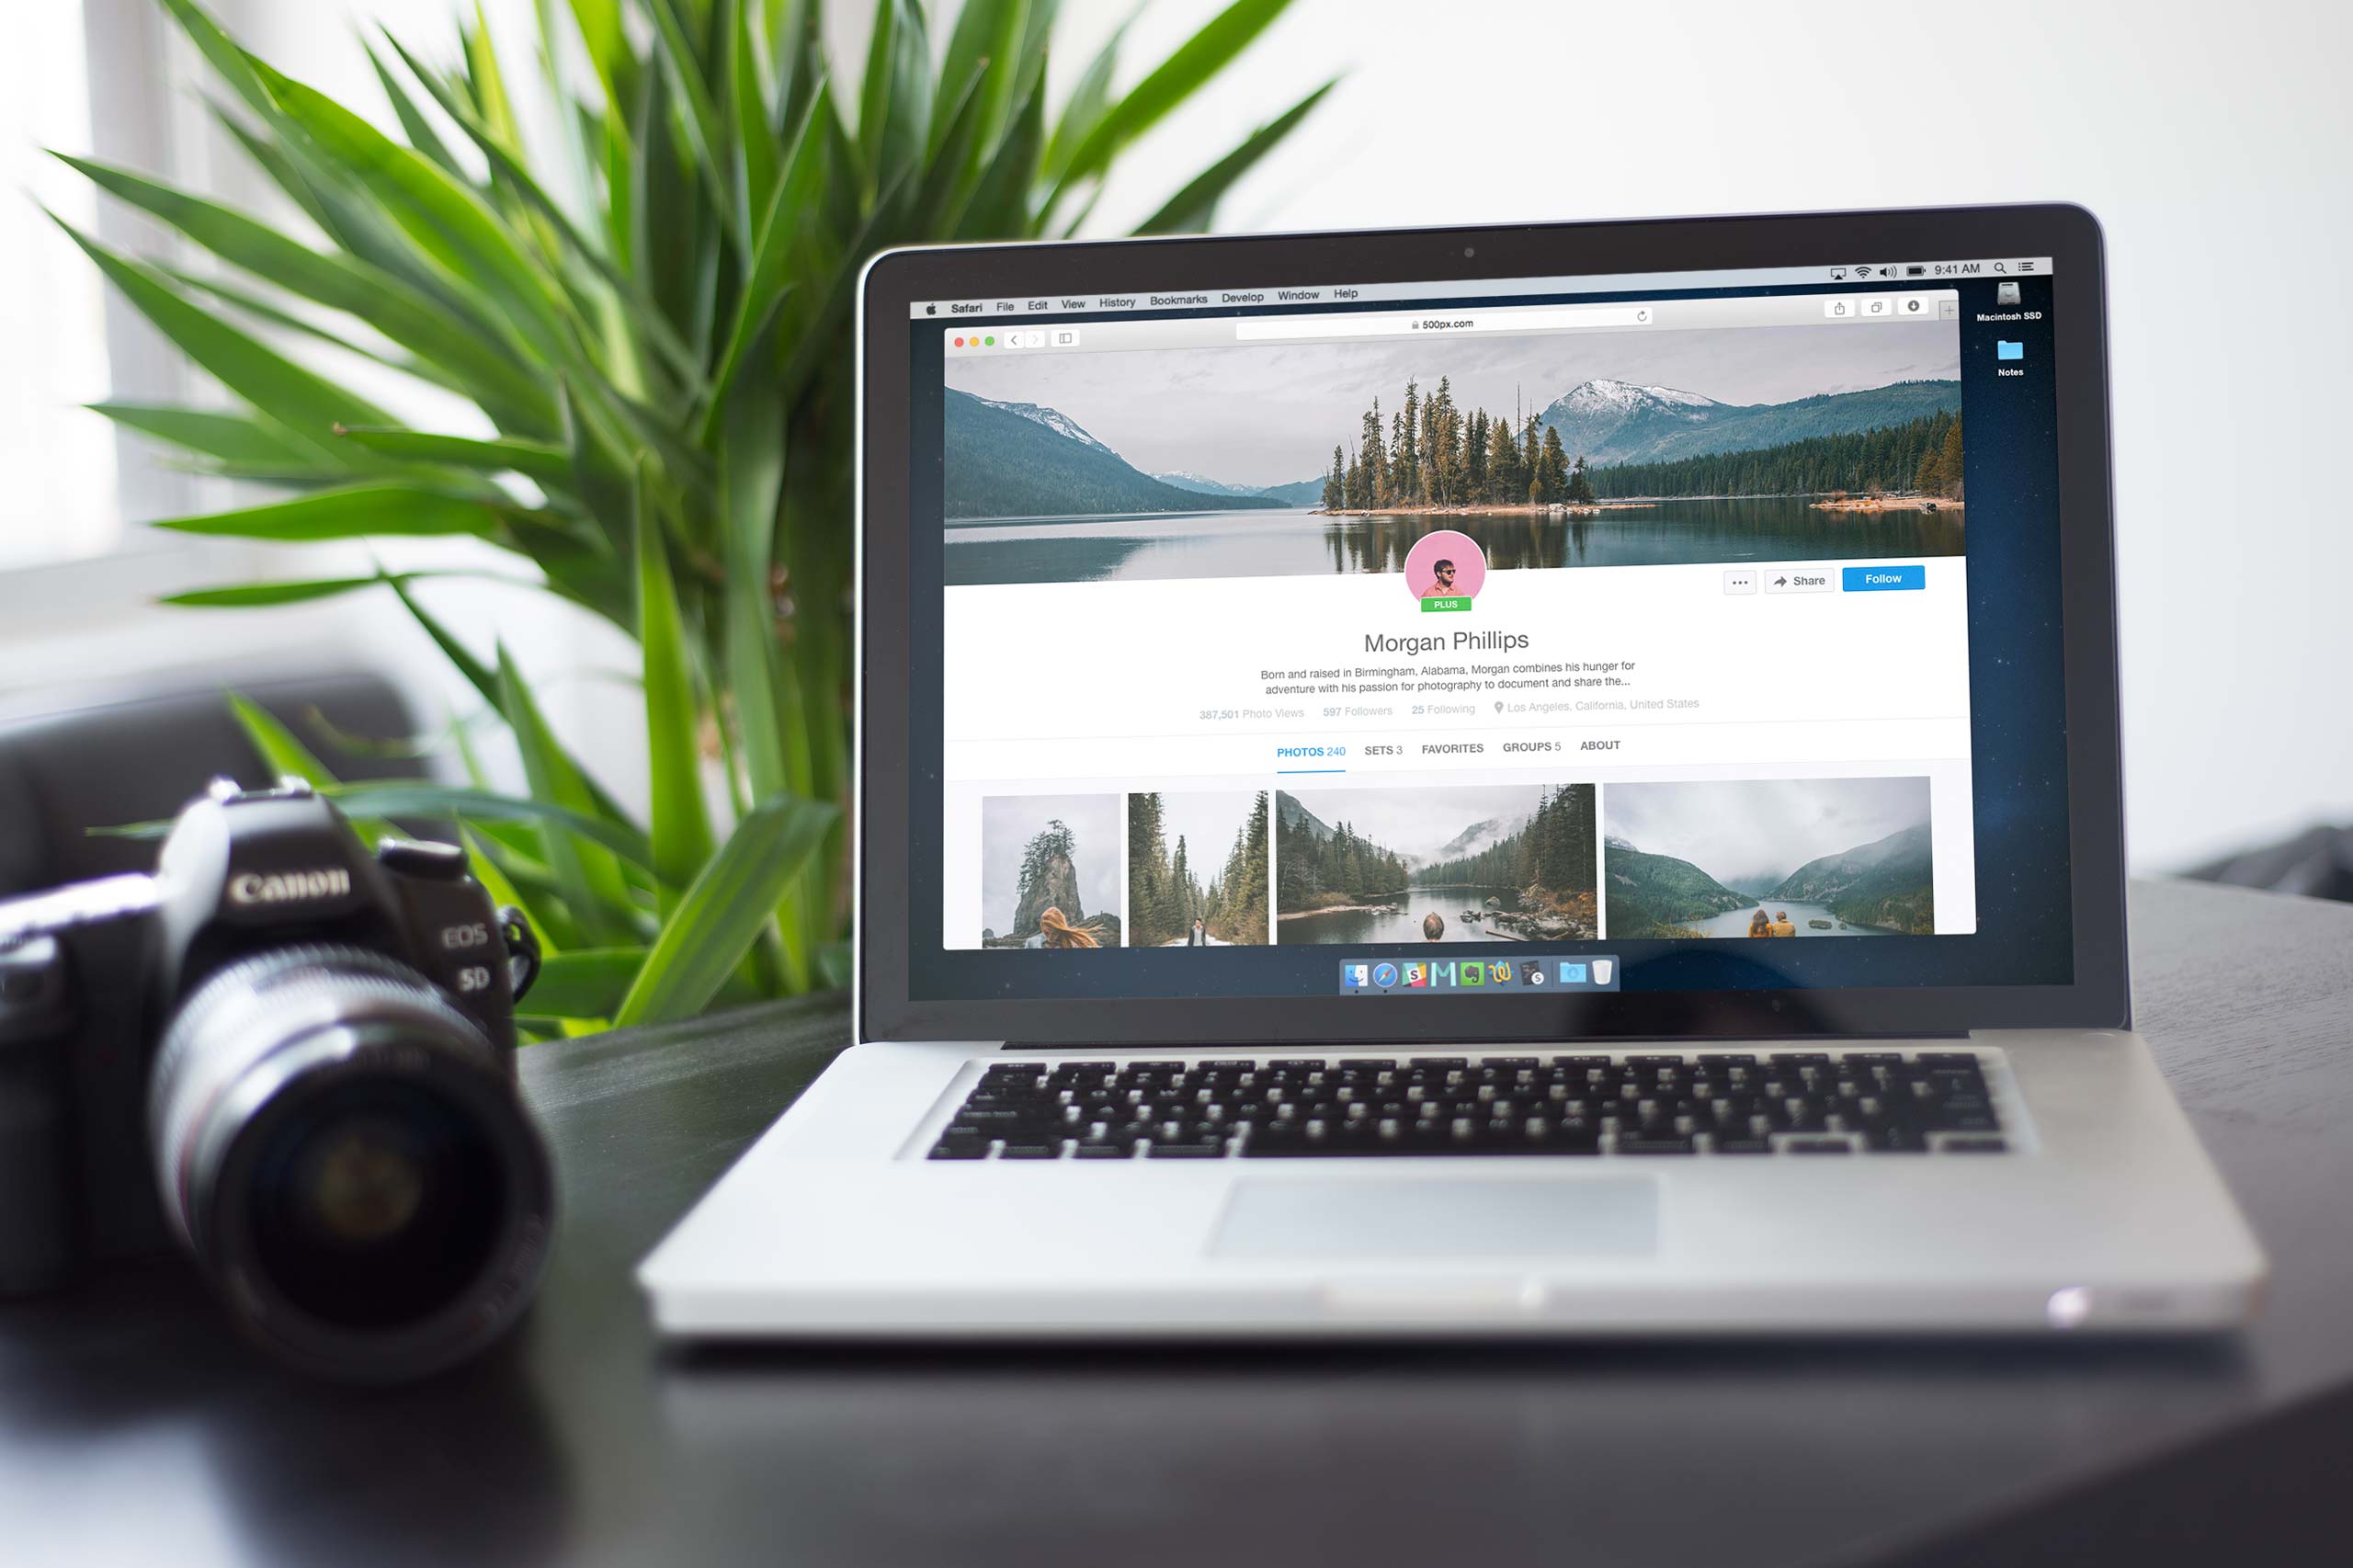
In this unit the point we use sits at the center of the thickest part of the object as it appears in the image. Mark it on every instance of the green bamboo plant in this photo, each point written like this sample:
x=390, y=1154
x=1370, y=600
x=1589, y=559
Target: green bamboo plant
x=653, y=316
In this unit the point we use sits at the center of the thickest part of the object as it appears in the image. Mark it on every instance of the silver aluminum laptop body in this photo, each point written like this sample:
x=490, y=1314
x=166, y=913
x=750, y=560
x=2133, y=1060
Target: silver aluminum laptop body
x=2094, y=1208
x=2106, y=1216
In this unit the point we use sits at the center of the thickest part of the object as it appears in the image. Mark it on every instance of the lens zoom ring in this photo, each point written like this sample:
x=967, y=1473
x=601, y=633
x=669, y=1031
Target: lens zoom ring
x=254, y=1000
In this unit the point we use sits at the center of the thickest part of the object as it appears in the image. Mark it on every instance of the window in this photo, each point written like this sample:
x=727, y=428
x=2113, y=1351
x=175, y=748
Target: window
x=59, y=502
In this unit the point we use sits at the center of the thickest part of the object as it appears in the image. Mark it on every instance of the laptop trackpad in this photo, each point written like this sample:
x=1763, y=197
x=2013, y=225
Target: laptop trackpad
x=1400, y=1217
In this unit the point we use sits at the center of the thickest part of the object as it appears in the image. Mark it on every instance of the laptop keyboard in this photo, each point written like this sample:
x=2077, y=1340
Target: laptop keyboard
x=1699, y=1104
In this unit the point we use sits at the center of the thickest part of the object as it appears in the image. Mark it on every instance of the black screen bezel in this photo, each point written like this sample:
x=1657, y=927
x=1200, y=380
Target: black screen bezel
x=2099, y=996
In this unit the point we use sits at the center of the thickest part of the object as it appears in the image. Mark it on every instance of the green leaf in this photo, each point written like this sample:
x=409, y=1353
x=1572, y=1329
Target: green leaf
x=584, y=864
x=382, y=300
x=1176, y=78
x=600, y=486
x=353, y=219
x=588, y=984
x=756, y=152
x=1191, y=208
x=815, y=343
x=776, y=747
x=400, y=798
x=410, y=114
x=353, y=512
x=725, y=910
x=497, y=112
x=769, y=710
x=894, y=104
x=301, y=401
x=947, y=184
x=1000, y=203
x=250, y=595
x=629, y=293
x=606, y=39
x=232, y=438
x=222, y=52
x=478, y=674
x=281, y=753
x=982, y=45
x=1089, y=98
x=446, y=219
x=246, y=302
x=546, y=465
x=704, y=134
x=834, y=966
x=680, y=825
x=592, y=981
x=783, y=221
x=617, y=160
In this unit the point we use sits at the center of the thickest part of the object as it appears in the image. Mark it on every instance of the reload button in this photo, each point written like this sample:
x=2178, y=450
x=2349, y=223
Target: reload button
x=1884, y=579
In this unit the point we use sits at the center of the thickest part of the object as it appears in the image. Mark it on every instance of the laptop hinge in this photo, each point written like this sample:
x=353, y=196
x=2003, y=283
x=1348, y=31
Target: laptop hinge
x=1609, y=1042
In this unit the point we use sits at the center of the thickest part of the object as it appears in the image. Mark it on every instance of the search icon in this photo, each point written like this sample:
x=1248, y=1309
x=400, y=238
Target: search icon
x=1999, y=266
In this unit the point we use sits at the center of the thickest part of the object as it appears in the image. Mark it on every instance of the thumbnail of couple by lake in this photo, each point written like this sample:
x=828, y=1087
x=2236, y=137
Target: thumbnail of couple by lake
x=1770, y=857
x=1738, y=444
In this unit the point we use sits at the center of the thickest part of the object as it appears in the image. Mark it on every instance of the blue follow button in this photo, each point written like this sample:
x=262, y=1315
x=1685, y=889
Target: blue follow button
x=1884, y=579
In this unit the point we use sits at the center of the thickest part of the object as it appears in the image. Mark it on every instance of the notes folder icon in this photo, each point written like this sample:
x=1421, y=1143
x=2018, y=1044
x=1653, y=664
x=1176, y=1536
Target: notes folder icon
x=2004, y=349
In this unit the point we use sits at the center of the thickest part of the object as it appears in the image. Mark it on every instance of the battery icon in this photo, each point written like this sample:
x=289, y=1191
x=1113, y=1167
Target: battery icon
x=1916, y=271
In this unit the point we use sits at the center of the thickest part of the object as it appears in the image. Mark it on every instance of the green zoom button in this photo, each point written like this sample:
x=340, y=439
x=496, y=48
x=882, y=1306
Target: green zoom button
x=1446, y=602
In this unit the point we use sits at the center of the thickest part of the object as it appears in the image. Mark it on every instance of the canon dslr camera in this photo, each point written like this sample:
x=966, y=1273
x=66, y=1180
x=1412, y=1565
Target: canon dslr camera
x=293, y=1057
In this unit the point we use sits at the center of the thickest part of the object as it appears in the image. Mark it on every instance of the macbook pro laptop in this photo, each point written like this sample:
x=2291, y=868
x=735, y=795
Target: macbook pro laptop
x=1554, y=779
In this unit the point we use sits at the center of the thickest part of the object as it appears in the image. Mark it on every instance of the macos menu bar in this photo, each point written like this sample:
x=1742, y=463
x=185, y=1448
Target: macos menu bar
x=1850, y=273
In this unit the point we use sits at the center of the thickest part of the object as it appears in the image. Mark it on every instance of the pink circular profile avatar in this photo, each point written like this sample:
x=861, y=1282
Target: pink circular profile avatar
x=1445, y=564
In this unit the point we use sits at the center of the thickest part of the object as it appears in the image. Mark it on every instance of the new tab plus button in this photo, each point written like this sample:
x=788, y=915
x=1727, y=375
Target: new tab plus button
x=1884, y=579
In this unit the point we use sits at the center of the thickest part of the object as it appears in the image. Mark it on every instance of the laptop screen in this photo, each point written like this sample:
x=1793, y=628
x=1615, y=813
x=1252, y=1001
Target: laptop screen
x=1678, y=631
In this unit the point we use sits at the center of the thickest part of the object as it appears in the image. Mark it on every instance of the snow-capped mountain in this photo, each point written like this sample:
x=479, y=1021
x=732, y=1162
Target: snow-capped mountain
x=1604, y=393
x=1023, y=459
x=1204, y=483
x=1298, y=492
x=1609, y=421
x=1054, y=419
x=1617, y=422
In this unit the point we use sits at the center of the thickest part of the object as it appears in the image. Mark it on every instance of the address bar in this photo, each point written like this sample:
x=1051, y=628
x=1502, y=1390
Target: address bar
x=1427, y=322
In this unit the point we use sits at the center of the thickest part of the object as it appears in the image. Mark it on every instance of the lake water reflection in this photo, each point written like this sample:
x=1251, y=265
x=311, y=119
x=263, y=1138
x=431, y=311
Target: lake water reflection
x=1403, y=923
x=1301, y=543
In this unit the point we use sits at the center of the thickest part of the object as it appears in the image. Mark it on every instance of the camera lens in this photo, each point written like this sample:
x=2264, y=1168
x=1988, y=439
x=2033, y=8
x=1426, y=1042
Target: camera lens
x=344, y=1151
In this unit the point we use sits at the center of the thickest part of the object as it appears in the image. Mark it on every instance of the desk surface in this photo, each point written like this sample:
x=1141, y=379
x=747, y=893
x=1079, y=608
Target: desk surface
x=132, y=1429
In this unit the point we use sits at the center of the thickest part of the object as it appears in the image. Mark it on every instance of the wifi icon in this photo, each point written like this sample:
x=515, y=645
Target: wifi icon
x=1862, y=272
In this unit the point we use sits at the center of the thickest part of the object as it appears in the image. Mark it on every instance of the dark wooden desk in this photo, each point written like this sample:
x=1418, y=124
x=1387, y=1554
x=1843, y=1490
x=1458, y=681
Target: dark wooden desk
x=132, y=1430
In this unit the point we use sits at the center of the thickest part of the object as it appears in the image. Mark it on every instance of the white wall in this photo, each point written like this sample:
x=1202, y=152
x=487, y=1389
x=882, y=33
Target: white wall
x=2215, y=143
